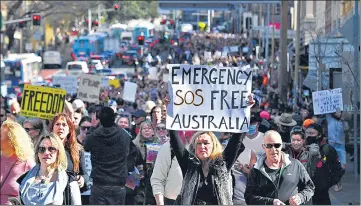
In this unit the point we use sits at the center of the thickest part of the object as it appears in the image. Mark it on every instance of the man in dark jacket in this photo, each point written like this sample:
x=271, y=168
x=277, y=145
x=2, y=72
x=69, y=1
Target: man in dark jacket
x=277, y=179
x=328, y=170
x=109, y=147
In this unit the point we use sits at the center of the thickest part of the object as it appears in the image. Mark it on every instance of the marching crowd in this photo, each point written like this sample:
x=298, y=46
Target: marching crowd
x=121, y=153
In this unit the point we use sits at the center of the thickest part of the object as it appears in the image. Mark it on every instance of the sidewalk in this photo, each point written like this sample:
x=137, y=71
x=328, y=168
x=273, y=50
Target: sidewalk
x=351, y=188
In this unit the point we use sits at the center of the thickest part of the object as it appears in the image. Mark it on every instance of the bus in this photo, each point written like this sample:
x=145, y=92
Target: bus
x=146, y=30
x=84, y=46
x=21, y=69
x=117, y=29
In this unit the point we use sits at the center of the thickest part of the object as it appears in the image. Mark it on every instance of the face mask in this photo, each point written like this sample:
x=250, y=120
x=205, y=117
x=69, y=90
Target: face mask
x=312, y=139
x=252, y=129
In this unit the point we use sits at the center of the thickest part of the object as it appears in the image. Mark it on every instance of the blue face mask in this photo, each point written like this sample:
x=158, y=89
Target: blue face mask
x=252, y=129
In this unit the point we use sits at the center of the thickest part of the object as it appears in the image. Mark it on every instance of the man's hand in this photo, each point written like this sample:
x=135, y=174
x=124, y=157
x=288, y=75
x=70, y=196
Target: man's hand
x=314, y=149
x=295, y=200
x=278, y=202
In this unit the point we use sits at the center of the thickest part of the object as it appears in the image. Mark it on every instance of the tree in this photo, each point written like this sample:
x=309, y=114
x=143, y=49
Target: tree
x=137, y=10
x=45, y=8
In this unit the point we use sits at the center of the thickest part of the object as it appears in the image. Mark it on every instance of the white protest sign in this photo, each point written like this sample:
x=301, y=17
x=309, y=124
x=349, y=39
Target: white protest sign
x=104, y=83
x=217, y=54
x=327, y=101
x=69, y=83
x=233, y=49
x=207, y=55
x=129, y=92
x=209, y=98
x=165, y=77
x=89, y=88
x=153, y=74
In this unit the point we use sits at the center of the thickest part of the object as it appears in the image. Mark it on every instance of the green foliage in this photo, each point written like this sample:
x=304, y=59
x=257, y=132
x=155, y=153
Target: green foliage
x=136, y=10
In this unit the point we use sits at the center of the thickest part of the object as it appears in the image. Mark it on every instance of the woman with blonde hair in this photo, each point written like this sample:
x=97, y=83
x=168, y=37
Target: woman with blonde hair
x=206, y=167
x=46, y=182
x=17, y=157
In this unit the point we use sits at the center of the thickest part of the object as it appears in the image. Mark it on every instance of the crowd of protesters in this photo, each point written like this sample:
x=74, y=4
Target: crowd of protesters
x=98, y=153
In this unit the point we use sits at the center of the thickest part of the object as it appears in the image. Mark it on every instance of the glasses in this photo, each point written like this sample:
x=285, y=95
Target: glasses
x=29, y=129
x=275, y=145
x=161, y=128
x=50, y=149
x=84, y=128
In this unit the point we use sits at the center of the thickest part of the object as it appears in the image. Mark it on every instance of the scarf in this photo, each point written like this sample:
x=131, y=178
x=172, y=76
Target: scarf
x=53, y=196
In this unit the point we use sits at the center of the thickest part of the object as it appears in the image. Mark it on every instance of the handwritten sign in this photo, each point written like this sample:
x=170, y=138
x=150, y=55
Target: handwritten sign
x=327, y=101
x=69, y=83
x=89, y=88
x=130, y=91
x=209, y=98
x=42, y=102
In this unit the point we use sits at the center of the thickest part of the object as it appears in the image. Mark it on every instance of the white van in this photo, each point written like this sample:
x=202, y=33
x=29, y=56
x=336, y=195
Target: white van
x=77, y=66
x=52, y=59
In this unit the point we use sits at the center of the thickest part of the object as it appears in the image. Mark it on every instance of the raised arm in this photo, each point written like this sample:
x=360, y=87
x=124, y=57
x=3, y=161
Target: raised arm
x=180, y=151
x=233, y=149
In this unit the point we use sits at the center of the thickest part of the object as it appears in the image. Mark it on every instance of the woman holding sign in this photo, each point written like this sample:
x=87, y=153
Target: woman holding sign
x=206, y=167
x=148, y=143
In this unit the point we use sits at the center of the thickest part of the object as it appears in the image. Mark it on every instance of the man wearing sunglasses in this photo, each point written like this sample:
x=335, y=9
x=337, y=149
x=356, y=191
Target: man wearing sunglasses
x=276, y=178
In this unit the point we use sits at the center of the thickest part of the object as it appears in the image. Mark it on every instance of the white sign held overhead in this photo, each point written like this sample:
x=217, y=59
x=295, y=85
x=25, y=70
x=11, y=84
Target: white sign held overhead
x=327, y=101
x=209, y=98
x=130, y=91
x=153, y=73
x=89, y=88
x=69, y=83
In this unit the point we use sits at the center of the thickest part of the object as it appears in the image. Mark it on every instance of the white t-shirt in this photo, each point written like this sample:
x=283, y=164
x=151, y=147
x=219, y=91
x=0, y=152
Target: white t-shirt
x=255, y=144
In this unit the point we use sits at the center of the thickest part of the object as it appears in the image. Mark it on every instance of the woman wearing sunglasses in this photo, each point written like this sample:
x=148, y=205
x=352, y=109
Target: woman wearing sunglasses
x=35, y=128
x=45, y=183
x=84, y=127
x=17, y=157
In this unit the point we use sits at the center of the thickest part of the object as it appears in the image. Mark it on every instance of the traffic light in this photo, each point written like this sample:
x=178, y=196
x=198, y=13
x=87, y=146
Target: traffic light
x=140, y=40
x=22, y=24
x=163, y=21
x=95, y=23
x=116, y=7
x=36, y=19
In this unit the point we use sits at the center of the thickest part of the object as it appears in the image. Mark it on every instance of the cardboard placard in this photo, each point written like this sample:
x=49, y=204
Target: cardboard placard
x=130, y=91
x=327, y=101
x=42, y=102
x=89, y=88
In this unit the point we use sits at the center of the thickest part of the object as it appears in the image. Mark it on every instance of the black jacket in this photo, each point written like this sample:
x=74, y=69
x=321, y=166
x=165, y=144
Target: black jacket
x=109, y=148
x=294, y=179
x=328, y=168
x=219, y=169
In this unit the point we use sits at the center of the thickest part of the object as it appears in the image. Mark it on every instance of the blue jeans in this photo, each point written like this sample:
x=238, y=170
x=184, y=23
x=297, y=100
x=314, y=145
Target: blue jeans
x=107, y=195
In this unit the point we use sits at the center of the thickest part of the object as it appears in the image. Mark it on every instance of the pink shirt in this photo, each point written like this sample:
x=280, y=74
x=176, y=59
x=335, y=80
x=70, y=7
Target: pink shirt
x=11, y=188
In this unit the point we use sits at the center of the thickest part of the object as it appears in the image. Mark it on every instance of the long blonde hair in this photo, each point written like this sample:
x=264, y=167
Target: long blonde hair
x=61, y=159
x=19, y=139
x=217, y=151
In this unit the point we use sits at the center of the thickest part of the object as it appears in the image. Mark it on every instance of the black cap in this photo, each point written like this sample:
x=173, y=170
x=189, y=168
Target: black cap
x=139, y=113
x=316, y=127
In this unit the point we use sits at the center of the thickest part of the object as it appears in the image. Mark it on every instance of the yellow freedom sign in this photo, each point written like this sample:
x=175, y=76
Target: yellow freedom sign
x=42, y=102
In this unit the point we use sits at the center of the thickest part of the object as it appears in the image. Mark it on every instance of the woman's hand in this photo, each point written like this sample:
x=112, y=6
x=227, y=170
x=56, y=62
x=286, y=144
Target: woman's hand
x=80, y=181
x=251, y=100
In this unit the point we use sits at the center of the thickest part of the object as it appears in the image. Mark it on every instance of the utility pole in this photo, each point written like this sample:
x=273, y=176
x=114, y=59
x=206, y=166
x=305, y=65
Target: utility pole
x=297, y=55
x=272, y=42
x=267, y=37
x=99, y=21
x=283, y=75
x=89, y=21
x=259, y=24
x=356, y=70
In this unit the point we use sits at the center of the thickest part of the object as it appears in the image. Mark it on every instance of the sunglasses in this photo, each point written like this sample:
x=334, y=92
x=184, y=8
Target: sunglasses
x=84, y=128
x=275, y=145
x=50, y=149
x=29, y=129
x=161, y=128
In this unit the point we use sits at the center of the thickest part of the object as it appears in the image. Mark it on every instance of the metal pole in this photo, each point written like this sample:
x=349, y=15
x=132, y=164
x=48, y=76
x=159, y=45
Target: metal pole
x=267, y=35
x=297, y=55
x=259, y=24
x=198, y=20
x=273, y=43
x=99, y=20
x=209, y=21
x=282, y=71
x=356, y=69
x=89, y=21
x=319, y=72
